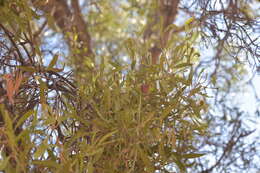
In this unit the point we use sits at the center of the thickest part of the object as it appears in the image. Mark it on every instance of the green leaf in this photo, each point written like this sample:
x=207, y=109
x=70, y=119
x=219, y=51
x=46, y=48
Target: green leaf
x=23, y=135
x=23, y=118
x=192, y=155
x=194, y=91
x=191, y=74
x=9, y=126
x=28, y=68
x=177, y=160
x=147, y=162
x=43, y=87
x=168, y=109
x=89, y=63
x=133, y=64
x=93, y=151
x=2, y=3
x=53, y=61
x=55, y=69
x=90, y=168
x=106, y=137
x=189, y=21
x=182, y=80
x=117, y=66
x=170, y=27
x=3, y=163
x=129, y=43
x=99, y=113
x=51, y=154
x=41, y=149
x=183, y=65
x=46, y=163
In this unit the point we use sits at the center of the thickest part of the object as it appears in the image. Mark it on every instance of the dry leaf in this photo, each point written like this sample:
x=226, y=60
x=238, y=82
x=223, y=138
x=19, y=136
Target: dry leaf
x=145, y=88
x=12, y=85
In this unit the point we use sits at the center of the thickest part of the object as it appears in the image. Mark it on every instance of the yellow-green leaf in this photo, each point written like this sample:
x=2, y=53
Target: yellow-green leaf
x=27, y=68
x=192, y=155
x=23, y=118
x=106, y=136
x=53, y=61
x=46, y=163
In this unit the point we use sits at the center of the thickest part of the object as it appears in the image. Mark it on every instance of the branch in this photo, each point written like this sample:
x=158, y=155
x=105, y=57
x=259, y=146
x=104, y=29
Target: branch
x=81, y=27
x=168, y=9
x=13, y=43
x=71, y=21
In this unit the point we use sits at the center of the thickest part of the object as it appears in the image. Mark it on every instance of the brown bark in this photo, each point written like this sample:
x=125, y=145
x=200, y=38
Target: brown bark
x=70, y=20
x=168, y=9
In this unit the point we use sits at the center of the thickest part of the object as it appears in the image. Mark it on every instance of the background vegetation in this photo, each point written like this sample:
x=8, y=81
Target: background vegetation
x=127, y=86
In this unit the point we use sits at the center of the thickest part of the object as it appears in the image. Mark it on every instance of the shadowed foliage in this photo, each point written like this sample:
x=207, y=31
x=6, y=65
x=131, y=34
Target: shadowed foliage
x=126, y=86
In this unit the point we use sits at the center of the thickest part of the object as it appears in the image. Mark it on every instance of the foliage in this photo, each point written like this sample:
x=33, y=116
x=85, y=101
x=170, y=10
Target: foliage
x=126, y=92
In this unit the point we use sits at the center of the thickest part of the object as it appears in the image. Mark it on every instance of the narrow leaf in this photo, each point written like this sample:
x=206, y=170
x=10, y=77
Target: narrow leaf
x=23, y=118
x=27, y=68
x=53, y=61
x=192, y=155
x=46, y=163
